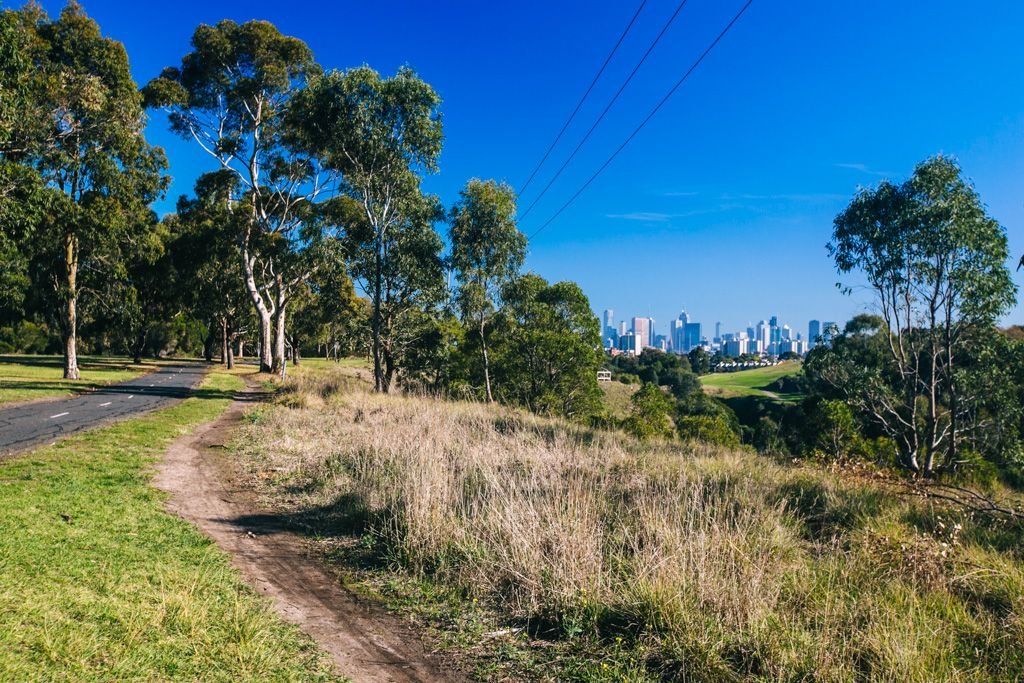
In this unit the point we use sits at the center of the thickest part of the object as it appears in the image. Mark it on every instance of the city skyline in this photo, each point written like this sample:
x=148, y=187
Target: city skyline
x=769, y=336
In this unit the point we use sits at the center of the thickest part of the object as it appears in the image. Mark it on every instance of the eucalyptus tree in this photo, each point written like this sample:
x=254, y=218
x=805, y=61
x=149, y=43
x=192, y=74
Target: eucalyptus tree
x=487, y=251
x=380, y=134
x=230, y=96
x=936, y=263
x=548, y=348
x=206, y=266
x=96, y=172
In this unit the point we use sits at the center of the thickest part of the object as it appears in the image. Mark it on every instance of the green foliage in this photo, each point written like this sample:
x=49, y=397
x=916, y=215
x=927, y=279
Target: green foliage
x=707, y=428
x=547, y=348
x=378, y=134
x=651, y=414
x=935, y=261
x=487, y=251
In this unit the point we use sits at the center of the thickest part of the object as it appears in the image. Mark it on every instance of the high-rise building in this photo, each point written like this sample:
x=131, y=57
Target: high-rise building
x=786, y=333
x=677, y=335
x=828, y=331
x=609, y=333
x=813, y=332
x=734, y=348
x=764, y=334
x=630, y=344
x=642, y=329
x=622, y=328
x=718, y=330
x=693, y=336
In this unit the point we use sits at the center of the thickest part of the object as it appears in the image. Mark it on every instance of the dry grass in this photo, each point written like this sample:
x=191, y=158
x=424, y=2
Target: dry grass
x=716, y=565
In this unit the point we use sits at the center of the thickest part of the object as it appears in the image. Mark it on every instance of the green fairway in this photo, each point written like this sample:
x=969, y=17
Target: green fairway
x=24, y=378
x=98, y=582
x=753, y=382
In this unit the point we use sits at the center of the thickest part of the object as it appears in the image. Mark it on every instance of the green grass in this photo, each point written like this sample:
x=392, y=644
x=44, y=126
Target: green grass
x=98, y=582
x=24, y=378
x=752, y=382
x=616, y=398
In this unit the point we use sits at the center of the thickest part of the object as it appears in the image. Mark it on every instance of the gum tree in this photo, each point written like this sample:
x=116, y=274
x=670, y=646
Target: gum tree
x=230, y=96
x=936, y=262
x=97, y=172
x=380, y=134
x=487, y=251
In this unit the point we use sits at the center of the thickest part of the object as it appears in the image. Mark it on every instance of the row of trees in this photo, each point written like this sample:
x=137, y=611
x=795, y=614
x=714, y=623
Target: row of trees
x=313, y=193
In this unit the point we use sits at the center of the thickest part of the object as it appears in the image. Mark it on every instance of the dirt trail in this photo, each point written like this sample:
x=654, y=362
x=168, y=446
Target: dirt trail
x=366, y=643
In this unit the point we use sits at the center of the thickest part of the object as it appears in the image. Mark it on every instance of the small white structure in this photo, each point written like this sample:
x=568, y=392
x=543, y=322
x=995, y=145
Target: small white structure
x=604, y=375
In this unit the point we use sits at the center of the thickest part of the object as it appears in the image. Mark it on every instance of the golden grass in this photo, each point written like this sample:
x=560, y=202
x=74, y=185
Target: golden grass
x=718, y=565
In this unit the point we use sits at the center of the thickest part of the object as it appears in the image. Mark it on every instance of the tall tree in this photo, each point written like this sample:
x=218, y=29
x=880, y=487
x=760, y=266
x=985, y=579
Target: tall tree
x=548, y=348
x=487, y=251
x=99, y=172
x=380, y=133
x=230, y=96
x=936, y=263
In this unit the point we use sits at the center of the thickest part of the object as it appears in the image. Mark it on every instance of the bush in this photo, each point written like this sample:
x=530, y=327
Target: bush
x=707, y=428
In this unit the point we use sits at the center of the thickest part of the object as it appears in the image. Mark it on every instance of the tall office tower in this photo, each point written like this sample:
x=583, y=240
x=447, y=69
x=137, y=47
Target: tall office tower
x=642, y=330
x=828, y=331
x=813, y=332
x=692, y=336
x=609, y=333
x=677, y=335
x=751, y=333
x=718, y=330
x=653, y=336
x=764, y=334
x=623, y=329
x=786, y=333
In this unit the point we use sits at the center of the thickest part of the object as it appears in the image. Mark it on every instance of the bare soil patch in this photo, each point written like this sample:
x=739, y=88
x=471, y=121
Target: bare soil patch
x=366, y=643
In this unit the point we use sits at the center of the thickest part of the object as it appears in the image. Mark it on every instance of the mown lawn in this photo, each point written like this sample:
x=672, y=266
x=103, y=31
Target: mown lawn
x=98, y=582
x=24, y=378
x=752, y=382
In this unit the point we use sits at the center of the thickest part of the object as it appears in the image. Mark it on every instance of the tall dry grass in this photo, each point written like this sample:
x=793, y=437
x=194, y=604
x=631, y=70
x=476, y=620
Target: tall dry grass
x=728, y=565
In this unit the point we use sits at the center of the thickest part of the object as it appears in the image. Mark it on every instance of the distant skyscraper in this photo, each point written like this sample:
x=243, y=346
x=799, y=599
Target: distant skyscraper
x=677, y=335
x=813, y=332
x=642, y=330
x=623, y=329
x=693, y=336
x=609, y=333
x=764, y=334
x=828, y=330
x=718, y=331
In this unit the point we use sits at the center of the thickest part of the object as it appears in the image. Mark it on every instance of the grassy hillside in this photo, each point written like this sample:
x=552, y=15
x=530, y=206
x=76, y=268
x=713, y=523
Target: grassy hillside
x=99, y=583
x=616, y=397
x=545, y=551
x=23, y=378
x=752, y=382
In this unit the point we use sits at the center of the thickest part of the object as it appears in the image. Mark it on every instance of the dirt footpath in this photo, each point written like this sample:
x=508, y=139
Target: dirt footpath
x=366, y=643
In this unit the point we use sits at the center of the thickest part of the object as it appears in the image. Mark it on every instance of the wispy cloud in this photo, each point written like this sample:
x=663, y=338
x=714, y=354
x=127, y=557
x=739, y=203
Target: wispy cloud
x=680, y=194
x=863, y=168
x=645, y=216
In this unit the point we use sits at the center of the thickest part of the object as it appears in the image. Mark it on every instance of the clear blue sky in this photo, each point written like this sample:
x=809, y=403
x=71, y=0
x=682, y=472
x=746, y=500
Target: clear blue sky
x=723, y=204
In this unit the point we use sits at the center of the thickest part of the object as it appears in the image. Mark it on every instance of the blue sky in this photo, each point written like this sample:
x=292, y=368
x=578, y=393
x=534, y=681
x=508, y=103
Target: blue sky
x=723, y=203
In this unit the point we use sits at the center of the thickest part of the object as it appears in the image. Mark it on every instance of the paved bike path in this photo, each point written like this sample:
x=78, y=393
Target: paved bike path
x=33, y=424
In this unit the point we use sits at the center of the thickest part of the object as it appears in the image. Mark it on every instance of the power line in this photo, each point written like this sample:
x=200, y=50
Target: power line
x=611, y=102
x=585, y=95
x=643, y=123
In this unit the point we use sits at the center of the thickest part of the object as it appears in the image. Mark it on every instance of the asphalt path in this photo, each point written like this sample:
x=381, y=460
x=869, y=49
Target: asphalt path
x=33, y=424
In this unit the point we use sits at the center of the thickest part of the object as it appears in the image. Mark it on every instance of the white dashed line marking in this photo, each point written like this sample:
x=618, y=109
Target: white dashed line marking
x=58, y=415
x=104, y=405
x=132, y=396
